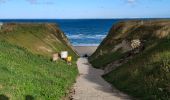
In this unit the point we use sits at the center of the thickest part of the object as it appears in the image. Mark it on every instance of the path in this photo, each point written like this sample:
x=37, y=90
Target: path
x=91, y=86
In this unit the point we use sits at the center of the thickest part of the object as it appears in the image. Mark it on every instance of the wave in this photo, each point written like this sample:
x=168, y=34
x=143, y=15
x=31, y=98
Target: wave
x=83, y=36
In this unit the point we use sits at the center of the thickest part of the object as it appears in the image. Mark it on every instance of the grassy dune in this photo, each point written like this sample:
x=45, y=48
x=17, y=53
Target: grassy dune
x=42, y=39
x=146, y=75
x=26, y=70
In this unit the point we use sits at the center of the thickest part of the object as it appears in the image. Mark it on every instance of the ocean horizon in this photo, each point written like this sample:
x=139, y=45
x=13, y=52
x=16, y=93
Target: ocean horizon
x=80, y=32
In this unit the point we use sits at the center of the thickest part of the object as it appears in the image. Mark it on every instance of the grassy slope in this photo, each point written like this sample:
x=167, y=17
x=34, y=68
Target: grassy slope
x=146, y=76
x=127, y=31
x=27, y=70
x=103, y=60
x=42, y=39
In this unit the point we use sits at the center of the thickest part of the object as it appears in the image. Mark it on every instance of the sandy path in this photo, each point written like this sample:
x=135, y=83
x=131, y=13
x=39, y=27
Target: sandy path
x=91, y=86
x=82, y=50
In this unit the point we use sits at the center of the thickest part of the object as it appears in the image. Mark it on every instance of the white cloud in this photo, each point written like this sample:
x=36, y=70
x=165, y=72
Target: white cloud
x=40, y=2
x=32, y=1
x=131, y=1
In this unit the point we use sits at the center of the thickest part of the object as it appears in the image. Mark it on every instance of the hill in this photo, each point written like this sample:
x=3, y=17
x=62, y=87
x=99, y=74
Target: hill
x=25, y=65
x=136, y=58
x=42, y=39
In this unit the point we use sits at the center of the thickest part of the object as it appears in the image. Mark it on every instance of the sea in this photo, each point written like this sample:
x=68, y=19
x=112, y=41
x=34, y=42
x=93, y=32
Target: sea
x=80, y=32
x=86, y=32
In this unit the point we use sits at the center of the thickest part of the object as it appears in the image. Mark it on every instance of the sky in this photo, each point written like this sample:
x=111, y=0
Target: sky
x=80, y=9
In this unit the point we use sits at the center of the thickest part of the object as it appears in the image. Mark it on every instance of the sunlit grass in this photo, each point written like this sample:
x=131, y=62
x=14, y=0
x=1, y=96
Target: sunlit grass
x=23, y=73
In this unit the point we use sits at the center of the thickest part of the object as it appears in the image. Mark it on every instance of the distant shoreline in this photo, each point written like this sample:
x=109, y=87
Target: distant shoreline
x=79, y=18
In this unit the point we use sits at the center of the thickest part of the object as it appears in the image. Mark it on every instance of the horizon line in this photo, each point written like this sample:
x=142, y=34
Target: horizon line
x=81, y=18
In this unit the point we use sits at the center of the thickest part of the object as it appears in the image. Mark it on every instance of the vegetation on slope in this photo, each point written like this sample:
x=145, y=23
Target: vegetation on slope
x=42, y=39
x=148, y=31
x=28, y=72
x=146, y=74
x=102, y=60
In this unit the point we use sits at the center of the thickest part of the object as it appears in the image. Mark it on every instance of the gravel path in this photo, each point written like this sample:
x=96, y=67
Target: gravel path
x=91, y=86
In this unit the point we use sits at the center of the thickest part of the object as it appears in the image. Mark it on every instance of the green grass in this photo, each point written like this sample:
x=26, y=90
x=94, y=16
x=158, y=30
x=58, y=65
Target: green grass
x=37, y=38
x=146, y=76
x=103, y=60
x=133, y=29
x=25, y=62
x=24, y=73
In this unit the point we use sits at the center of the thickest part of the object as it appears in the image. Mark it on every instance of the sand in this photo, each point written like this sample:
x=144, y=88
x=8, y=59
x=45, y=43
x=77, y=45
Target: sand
x=82, y=50
x=91, y=86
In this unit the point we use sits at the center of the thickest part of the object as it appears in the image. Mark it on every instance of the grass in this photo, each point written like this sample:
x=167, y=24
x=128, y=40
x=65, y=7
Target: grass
x=42, y=39
x=103, y=60
x=25, y=62
x=26, y=74
x=133, y=29
x=146, y=76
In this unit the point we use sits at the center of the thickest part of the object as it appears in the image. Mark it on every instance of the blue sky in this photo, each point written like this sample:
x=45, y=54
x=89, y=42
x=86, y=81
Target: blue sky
x=57, y=9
